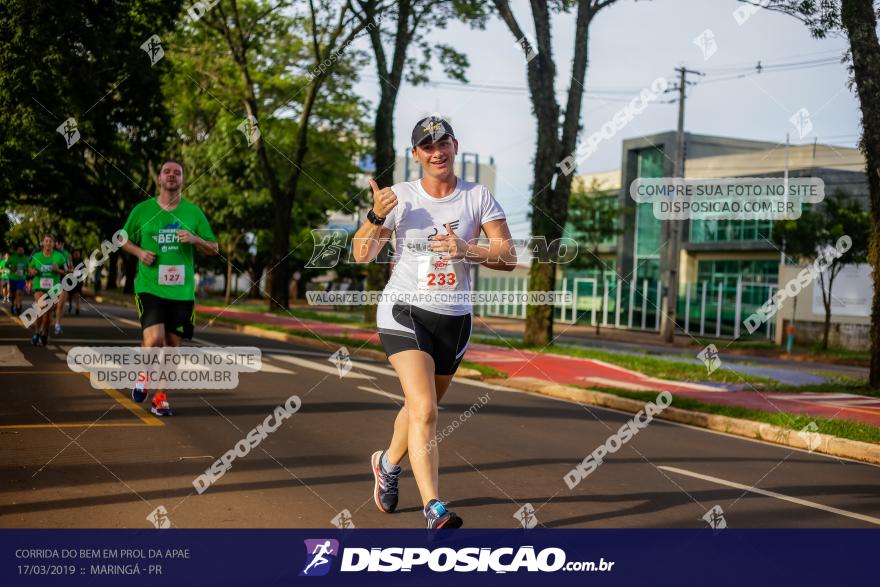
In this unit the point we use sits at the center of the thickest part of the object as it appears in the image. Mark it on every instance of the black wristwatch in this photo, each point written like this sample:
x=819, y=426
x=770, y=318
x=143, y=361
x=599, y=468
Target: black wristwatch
x=371, y=216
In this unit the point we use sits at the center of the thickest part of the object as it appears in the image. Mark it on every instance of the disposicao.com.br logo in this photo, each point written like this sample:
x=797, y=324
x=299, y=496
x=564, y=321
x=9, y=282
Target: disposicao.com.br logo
x=321, y=553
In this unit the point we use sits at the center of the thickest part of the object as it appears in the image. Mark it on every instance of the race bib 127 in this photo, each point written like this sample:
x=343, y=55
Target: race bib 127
x=172, y=274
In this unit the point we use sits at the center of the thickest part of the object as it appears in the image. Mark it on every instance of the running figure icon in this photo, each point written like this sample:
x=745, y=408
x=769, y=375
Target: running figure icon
x=318, y=553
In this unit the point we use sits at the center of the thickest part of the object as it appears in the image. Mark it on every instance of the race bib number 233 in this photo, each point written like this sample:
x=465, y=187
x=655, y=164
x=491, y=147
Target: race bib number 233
x=436, y=274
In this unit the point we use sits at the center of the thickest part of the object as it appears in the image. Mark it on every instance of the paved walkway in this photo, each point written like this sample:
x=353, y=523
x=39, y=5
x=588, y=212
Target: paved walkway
x=593, y=373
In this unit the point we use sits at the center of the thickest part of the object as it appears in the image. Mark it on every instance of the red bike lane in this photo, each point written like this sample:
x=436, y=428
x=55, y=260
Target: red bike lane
x=593, y=373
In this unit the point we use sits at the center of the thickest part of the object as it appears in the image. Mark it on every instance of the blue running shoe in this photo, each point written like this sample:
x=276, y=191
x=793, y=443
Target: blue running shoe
x=438, y=516
x=385, y=487
x=35, y=339
x=139, y=392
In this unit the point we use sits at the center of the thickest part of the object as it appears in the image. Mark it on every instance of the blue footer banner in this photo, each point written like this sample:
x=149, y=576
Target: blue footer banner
x=485, y=557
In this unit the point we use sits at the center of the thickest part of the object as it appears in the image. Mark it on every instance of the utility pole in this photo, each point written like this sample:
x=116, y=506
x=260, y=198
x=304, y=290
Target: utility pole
x=672, y=232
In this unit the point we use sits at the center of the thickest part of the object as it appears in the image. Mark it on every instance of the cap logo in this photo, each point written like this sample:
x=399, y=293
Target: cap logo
x=431, y=127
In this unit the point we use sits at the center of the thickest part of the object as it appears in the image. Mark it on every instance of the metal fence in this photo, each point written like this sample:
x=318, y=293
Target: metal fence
x=705, y=308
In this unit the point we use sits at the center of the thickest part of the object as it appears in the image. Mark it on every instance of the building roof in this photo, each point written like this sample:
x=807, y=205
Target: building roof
x=753, y=162
x=773, y=161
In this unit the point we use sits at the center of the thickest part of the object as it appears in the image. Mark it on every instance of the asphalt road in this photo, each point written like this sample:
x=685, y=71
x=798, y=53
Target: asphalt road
x=76, y=456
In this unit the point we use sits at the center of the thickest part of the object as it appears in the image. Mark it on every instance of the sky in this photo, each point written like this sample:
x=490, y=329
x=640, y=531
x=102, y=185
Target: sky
x=632, y=43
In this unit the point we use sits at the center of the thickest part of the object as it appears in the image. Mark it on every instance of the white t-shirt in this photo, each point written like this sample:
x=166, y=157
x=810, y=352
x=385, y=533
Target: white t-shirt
x=418, y=216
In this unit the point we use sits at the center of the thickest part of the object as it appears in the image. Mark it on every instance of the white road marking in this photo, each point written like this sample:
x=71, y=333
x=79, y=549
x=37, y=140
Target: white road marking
x=11, y=356
x=129, y=322
x=773, y=494
x=374, y=368
x=463, y=380
x=318, y=366
x=266, y=367
x=393, y=396
x=297, y=352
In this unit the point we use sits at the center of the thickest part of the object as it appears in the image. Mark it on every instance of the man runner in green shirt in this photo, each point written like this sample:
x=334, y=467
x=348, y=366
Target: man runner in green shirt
x=164, y=233
x=46, y=267
x=17, y=266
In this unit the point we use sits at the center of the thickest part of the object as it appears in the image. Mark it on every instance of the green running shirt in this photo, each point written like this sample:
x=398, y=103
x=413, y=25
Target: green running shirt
x=17, y=265
x=46, y=279
x=154, y=229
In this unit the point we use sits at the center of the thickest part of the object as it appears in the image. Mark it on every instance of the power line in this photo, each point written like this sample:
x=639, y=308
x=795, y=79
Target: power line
x=626, y=94
x=771, y=65
x=759, y=69
x=748, y=64
x=509, y=88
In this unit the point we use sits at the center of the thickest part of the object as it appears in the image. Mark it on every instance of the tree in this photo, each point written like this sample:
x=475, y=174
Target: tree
x=397, y=25
x=819, y=229
x=594, y=219
x=233, y=72
x=47, y=50
x=857, y=19
x=557, y=136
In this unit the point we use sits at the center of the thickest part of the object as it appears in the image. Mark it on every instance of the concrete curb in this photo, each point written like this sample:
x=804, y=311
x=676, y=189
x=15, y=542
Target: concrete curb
x=306, y=341
x=827, y=444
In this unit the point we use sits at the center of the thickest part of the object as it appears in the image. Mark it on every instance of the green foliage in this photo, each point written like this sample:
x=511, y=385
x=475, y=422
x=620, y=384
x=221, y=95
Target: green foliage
x=207, y=91
x=80, y=59
x=817, y=230
x=593, y=220
x=32, y=222
x=821, y=226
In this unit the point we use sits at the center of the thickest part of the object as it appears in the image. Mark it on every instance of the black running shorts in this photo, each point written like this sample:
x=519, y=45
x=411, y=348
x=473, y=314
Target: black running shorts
x=403, y=327
x=178, y=316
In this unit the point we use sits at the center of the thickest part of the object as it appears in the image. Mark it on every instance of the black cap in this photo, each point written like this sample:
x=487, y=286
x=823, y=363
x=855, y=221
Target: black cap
x=432, y=127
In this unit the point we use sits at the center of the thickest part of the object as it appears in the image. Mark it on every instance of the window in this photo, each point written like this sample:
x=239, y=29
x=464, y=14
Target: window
x=713, y=231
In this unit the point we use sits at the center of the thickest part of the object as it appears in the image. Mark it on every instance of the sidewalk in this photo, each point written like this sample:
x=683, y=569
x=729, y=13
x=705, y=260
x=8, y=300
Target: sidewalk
x=593, y=373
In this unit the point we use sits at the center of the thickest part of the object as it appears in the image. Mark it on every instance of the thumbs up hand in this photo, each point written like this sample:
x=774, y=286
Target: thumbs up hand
x=384, y=200
x=450, y=244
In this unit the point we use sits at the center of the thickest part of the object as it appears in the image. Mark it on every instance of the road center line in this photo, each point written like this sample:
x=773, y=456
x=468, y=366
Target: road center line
x=797, y=500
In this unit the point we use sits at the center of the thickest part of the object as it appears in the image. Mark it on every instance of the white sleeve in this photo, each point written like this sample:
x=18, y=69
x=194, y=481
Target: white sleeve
x=490, y=209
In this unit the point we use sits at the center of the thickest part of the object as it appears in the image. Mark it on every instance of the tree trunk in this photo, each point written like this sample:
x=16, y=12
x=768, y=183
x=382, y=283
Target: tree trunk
x=826, y=303
x=230, y=251
x=256, y=273
x=385, y=159
x=551, y=190
x=601, y=282
x=377, y=274
x=827, y=330
x=860, y=23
